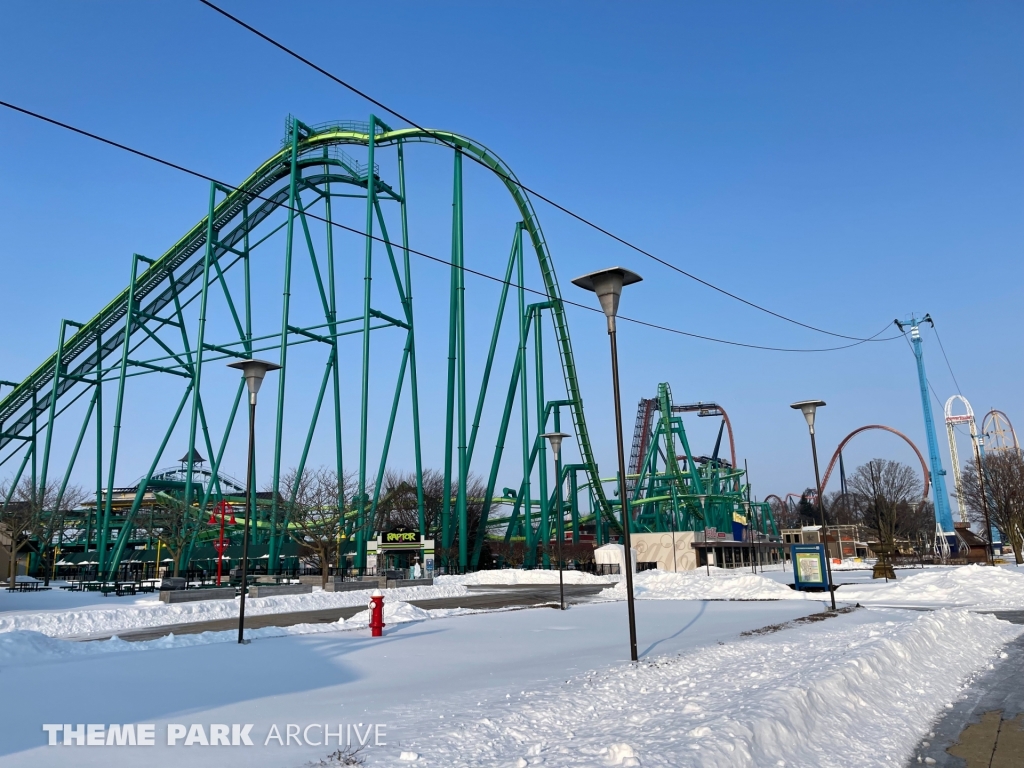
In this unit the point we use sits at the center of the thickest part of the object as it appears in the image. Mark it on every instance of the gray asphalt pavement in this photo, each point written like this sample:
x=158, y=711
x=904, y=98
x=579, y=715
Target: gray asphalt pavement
x=480, y=598
x=985, y=727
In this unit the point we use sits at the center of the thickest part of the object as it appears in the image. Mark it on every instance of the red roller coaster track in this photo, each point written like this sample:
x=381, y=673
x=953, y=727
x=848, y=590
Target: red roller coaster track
x=835, y=456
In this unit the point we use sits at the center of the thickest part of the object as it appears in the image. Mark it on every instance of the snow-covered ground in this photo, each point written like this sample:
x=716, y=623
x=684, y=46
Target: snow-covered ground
x=437, y=668
x=104, y=618
x=710, y=584
x=512, y=576
x=732, y=673
x=29, y=647
x=838, y=693
x=975, y=586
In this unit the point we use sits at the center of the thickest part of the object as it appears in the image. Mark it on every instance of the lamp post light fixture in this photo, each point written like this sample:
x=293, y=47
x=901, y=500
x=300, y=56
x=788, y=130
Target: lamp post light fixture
x=555, y=439
x=254, y=372
x=607, y=284
x=809, y=407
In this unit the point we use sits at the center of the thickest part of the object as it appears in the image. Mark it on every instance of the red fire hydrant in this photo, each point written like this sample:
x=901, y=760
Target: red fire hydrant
x=376, y=613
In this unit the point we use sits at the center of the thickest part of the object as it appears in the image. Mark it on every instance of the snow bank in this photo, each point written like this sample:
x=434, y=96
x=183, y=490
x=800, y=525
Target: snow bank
x=397, y=612
x=722, y=584
x=839, y=693
x=20, y=646
x=974, y=586
x=852, y=565
x=511, y=576
x=153, y=613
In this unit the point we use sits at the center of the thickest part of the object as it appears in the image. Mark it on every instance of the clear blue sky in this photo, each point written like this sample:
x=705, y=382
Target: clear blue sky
x=842, y=163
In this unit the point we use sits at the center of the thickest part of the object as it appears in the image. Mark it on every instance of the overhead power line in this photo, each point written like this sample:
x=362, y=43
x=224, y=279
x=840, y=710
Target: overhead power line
x=206, y=177
x=939, y=339
x=578, y=217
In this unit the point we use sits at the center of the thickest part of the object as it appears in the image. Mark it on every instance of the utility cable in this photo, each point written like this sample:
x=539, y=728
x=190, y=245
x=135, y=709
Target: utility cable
x=939, y=339
x=445, y=262
x=578, y=217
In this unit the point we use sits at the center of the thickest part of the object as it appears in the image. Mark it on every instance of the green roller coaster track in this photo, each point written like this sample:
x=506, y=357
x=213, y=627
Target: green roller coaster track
x=166, y=310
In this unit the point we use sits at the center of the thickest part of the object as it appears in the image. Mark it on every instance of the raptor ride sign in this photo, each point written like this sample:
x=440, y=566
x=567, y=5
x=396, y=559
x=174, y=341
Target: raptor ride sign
x=400, y=538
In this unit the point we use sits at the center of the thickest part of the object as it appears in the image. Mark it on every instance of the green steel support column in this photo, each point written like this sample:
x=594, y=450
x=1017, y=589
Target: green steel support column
x=248, y=283
x=524, y=324
x=197, y=368
x=103, y=524
x=335, y=372
x=413, y=383
x=574, y=506
x=313, y=261
x=453, y=326
x=461, y=318
x=93, y=518
x=53, y=407
x=17, y=475
x=285, y=315
x=559, y=510
x=389, y=432
x=514, y=517
x=544, y=525
x=371, y=195
x=499, y=448
x=499, y=315
x=309, y=434
x=216, y=458
x=35, y=447
x=137, y=502
x=406, y=354
x=74, y=453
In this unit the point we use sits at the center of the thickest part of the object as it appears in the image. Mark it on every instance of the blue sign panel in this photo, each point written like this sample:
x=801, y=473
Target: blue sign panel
x=809, y=566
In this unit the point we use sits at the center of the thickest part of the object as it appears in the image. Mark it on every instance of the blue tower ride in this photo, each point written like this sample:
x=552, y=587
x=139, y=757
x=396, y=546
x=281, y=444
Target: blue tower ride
x=943, y=513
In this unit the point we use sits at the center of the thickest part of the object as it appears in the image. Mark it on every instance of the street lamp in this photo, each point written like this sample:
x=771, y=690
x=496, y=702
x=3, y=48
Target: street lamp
x=808, y=407
x=555, y=438
x=607, y=284
x=254, y=372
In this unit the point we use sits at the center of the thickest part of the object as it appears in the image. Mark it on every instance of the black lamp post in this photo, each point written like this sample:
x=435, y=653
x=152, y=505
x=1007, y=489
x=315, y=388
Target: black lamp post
x=808, y=407
x=607, y=284
x=254, y=371
x=555, y=438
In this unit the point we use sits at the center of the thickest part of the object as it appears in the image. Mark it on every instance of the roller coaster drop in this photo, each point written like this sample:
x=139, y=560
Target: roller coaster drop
x=193, y=307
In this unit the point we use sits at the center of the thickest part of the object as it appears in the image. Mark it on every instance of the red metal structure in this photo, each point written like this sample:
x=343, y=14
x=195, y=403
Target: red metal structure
x=221, y=510
x=839, y=450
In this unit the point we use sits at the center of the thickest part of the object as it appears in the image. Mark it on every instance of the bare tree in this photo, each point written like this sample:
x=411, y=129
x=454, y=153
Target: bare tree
x=1004, y=496
x=316, y=513
x=513, y=553
x=888, y=493
x=35, y=514
x=54, y=522
x=399, y=505
x=843, y=509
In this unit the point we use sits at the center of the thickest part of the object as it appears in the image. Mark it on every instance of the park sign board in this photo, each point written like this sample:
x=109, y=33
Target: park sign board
x=809, y=566
x=400, y=538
